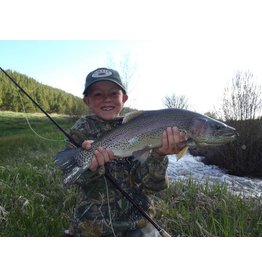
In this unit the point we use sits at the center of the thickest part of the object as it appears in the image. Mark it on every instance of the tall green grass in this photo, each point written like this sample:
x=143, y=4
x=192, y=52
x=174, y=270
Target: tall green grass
x=192, y=209
x=33, y=203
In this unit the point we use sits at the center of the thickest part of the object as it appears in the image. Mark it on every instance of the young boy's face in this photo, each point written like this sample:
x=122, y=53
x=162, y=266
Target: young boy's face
x=106, y=99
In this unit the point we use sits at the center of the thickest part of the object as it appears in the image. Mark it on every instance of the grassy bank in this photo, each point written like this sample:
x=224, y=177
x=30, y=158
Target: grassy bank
x=32, y=202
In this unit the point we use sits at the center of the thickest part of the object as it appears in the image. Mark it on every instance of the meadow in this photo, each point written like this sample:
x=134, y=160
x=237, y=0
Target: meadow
x=34, y=204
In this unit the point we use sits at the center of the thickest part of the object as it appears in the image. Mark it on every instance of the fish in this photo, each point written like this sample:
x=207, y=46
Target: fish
x=140, y=132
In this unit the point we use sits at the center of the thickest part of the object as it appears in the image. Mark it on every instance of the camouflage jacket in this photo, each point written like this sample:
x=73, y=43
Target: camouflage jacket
x=101, y=210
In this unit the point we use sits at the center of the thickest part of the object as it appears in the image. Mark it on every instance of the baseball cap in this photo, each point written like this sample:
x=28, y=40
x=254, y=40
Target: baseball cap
x=102, y=74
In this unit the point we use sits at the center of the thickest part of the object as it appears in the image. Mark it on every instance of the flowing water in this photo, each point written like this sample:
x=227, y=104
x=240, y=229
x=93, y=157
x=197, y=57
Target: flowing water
x=192, y=167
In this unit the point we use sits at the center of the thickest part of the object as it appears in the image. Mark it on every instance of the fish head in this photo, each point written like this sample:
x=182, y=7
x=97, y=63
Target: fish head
x=206, y=131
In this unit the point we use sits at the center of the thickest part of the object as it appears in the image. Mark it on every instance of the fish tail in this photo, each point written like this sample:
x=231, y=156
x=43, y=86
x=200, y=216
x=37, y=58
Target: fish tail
x=67, y=162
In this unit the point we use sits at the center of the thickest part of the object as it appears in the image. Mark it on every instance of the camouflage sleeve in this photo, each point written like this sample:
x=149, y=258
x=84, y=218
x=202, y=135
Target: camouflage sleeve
x=153, y=173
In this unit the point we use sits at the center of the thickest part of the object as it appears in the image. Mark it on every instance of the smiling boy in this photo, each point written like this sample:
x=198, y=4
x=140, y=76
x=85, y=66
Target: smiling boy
x=100, y=209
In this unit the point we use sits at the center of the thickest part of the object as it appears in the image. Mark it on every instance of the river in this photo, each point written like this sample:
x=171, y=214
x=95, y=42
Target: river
x=192, y=167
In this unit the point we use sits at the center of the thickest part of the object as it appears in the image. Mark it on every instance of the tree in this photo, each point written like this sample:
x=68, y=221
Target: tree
x=125, y=69
x=242, y=98
x=175, y=101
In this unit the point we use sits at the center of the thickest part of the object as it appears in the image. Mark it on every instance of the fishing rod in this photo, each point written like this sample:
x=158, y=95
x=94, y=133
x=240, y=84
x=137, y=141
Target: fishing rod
x=113, y=180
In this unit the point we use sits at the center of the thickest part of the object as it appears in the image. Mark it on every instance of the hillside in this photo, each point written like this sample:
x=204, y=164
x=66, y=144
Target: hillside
x=53, y=100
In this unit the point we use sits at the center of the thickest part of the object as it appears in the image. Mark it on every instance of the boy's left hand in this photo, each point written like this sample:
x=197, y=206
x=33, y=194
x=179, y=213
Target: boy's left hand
x=101, y=155
x=171, y=138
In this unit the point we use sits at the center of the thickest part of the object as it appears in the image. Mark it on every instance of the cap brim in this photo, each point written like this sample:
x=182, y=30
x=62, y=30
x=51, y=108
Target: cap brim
x=103, y=79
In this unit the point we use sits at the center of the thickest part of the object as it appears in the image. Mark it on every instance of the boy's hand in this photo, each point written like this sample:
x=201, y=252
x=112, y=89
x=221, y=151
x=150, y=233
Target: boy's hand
x=101, y=156
x=171, y=138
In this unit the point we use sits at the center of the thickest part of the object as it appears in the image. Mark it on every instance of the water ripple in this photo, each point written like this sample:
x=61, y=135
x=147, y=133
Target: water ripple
x=192, y=167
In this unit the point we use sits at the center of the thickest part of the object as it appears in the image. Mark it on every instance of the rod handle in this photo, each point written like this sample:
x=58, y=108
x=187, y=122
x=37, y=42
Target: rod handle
x=164, y=233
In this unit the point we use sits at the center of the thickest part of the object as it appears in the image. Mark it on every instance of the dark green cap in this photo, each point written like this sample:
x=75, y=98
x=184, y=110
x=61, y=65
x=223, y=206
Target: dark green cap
x=103, y=74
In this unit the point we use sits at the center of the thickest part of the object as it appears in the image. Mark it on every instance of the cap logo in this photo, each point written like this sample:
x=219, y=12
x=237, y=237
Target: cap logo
x=101, y=73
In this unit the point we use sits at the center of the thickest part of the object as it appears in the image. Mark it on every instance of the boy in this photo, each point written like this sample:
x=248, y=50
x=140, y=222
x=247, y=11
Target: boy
x=101, y=210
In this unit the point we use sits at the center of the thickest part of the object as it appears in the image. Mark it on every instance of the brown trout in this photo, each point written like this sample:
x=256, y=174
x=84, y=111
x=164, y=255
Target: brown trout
x=142, y=131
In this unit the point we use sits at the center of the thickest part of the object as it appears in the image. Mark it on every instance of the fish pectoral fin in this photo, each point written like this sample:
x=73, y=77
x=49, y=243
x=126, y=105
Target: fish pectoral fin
x=131, y=115
x=142, y=155
x=182, y=152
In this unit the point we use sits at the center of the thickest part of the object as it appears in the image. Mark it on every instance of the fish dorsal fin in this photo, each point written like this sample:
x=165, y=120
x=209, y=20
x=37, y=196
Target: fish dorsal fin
x=132, y=115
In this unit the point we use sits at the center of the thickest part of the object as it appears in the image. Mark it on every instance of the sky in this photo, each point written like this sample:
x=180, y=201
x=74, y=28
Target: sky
x=192, y=50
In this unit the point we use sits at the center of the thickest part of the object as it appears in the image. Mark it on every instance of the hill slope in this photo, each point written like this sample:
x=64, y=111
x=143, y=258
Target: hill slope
x=53, y=100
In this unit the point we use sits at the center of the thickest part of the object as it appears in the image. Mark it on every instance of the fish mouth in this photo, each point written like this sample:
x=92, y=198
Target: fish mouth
x=219, y=140
x=232, y=135
x=235, y=135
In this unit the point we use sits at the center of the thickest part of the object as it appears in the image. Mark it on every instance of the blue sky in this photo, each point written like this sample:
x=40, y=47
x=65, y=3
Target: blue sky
x=31, y=55
x=65, y=63
x=43, y=58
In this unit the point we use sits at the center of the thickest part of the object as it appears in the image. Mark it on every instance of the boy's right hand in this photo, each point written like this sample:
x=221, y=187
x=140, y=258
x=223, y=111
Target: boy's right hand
x=101, y=156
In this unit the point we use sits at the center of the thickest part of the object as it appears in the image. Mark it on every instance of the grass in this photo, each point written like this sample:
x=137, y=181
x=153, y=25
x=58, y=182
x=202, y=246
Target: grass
x=33, y=203
x=192, y=209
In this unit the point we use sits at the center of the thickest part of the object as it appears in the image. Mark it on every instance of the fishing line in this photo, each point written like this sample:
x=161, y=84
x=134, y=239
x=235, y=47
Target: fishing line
x=30, y=126
x=109, y=208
